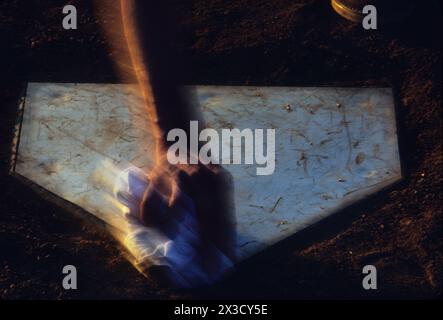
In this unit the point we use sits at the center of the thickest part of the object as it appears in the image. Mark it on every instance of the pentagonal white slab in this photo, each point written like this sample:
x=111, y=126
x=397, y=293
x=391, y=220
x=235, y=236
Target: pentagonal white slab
x=334, y=146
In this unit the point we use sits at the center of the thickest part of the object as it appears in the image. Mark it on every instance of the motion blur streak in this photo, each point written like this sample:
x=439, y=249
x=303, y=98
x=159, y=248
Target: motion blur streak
x=174, y=219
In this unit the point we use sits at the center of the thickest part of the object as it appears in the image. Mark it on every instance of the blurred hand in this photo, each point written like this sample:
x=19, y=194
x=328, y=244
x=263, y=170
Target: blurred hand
x=183, y=221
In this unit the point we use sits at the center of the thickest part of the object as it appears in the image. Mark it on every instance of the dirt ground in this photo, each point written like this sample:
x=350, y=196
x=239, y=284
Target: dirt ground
x=255, y=42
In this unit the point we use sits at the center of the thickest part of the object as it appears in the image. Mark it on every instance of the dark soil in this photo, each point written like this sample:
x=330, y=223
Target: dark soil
x=255, y=42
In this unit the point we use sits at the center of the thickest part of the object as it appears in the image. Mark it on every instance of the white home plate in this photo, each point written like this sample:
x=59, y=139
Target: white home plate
x=334, y=146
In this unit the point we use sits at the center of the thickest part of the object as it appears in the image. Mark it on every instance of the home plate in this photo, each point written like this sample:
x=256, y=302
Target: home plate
x=334, y=146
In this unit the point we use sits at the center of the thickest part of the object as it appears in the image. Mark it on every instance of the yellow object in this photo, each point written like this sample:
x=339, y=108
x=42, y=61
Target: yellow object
x=346, y=11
